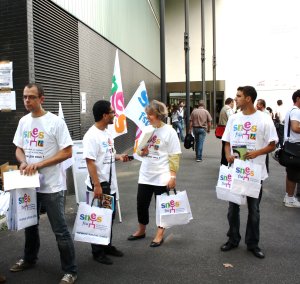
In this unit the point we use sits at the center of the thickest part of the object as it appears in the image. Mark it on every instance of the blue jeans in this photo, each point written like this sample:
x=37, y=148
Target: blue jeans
x=252, y=230
x=180, y=128
x=54, y=204
x=199, y=134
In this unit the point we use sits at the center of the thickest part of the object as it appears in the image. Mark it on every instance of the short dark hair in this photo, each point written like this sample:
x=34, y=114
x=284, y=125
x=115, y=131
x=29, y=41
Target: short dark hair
x=100, y=107
x=269, y=109
x=296, y=95
x=249, y=91
x=279, y=102
x=228, y=101
x=38, y=86
x=262, y=102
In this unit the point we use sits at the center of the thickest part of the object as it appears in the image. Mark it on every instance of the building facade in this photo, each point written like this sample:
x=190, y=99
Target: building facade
x=54, y=44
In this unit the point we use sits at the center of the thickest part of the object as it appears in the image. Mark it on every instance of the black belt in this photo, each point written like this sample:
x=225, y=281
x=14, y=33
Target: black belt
x=198, y=127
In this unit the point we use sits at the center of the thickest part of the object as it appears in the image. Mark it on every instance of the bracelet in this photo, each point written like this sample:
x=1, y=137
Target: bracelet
x=173, y=177
x=23, y=162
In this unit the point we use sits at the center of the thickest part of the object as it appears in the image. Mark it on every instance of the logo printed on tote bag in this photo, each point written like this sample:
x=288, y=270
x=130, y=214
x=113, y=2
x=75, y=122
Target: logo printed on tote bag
x=91, y=220
x=170, y=206
x=25, y=202
x=226, y=180
x=244, y=173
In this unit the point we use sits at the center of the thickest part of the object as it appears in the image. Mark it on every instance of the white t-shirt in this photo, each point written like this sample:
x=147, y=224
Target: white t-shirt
x=155, y=169
x=41, y=138
x=181, y=112
x=255, y=131
x=281, y=112
x=98, y=145
x=294, y=113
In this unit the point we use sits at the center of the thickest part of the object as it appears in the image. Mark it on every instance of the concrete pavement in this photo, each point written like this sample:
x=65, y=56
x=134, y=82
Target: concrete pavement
x=190, y=253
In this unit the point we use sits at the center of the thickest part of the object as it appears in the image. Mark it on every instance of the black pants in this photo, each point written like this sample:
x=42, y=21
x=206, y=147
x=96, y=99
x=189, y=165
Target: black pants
x=223, y=159
x=280, y=133
x=98, y=250
x=144, y=196
x=252, y=229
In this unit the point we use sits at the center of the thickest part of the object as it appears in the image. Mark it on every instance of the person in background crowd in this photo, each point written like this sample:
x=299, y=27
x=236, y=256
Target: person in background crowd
x=50, y=145
x=258, y=133
x=293, y=173
x=271, y=112
x=181, y=116
x=279, y=121
x=158, y=169
x=100, y=156
x=174, y=118
x=225, y=113
x=200, y=123
x=261, y=106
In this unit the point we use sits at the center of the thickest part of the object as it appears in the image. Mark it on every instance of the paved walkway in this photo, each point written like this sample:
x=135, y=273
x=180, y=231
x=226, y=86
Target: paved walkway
x=190, y=253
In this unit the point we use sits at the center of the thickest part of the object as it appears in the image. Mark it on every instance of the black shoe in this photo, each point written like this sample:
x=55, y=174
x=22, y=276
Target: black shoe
x=228, y=246
x=156, y=244
x=103, y=259
x=257, y=252
x=111, y=250
x=133, y=238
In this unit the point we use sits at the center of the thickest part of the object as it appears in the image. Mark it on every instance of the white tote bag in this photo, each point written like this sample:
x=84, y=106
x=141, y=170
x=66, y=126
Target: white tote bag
x=224, y=185
x=93, y=224
x=173, y=209
x=4, y=202
x=22, y=211
x=246, y=178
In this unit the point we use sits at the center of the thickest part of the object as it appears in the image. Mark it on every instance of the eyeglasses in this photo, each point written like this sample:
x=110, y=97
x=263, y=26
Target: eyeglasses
x=112, y=112
x=30, y=97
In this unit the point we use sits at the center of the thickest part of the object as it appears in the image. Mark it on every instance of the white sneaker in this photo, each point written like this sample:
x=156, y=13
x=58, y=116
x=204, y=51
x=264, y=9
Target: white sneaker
x=68, y=279
x=284, y=199
x=292, y=202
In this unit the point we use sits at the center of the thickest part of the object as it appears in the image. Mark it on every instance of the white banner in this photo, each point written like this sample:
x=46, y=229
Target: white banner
x=69, y=162
x=135, y=110
x=117, y=102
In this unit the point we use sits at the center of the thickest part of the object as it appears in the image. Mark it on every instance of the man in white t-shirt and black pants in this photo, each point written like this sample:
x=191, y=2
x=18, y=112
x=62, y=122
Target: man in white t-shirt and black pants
x=292, y=174
x=256, y=131
x=43, y=142
x=100, y=156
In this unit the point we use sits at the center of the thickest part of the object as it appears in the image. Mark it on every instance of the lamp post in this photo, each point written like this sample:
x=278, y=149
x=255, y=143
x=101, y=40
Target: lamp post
x=162, y=53
x=187, y=63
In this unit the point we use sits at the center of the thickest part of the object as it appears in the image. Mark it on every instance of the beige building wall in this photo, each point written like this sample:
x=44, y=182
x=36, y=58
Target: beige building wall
x=257, y=44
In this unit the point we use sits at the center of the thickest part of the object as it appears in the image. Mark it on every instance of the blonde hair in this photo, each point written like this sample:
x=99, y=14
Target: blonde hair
x=157, y=108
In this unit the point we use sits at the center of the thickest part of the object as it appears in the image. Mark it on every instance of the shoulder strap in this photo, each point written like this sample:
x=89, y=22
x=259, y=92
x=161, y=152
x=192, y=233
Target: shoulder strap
x=289, y=126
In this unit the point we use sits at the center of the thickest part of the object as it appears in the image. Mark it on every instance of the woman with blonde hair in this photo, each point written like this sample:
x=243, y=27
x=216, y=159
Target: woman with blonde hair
x=158, y=169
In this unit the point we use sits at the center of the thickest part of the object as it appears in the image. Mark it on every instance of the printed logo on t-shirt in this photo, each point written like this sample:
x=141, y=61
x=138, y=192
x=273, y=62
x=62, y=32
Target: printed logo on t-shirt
x=154, y=142
x=246, y=130
x=34, y=137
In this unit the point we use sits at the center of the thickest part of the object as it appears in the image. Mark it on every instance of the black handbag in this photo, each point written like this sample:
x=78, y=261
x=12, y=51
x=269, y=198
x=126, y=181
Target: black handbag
x=289, y=154
x=189, y=141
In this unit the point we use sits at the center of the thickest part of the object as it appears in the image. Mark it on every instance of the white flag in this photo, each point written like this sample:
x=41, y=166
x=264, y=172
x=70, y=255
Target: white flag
x=135, y=110
x=69, y=162
x=117, y=102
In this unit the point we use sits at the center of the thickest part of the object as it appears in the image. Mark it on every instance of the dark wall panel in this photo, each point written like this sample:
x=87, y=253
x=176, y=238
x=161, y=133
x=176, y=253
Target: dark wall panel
x=56, y=60
x=96, y=61
x=13, y=47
